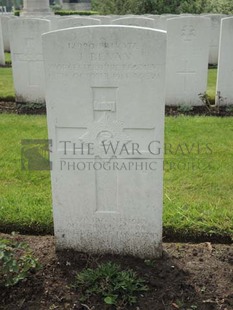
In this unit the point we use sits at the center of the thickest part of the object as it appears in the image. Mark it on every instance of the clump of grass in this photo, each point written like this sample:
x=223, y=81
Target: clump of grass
x=184, y=108
x=6, y=84
x=8, y=58
x=16, y=262
x=211, y=88
x=113, y=285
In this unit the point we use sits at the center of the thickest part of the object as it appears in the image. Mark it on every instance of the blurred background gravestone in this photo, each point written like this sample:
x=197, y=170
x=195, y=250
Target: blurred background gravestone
x=36, y=8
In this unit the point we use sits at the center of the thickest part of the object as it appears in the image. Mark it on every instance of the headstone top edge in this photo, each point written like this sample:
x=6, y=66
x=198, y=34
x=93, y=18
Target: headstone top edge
x=28, y=19
x=189, y=18
x=162, y=32
x=227, y=18
x=134, y=17
x=81, y=17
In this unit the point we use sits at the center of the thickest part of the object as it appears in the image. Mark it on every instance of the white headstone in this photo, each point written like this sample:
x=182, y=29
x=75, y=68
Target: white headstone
x=162, y=21
x=113, y=16
x=105, y=20
x=54, y=19
x=215, y=35
x=186, y=14
x=152, y=15
x=106, y=88
x=77, y=22
x=27, y=59
x=135, y=21
x=2, y=56
x=187, y=59
x=5, y=30
x=225, y=64
x=36, y=8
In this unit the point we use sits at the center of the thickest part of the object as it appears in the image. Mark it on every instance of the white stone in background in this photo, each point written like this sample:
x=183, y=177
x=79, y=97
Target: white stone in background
x=187, y=59
x=5, y=30
x=36, y=8
x=77, y=22
x=105, y=20
x=225, y=64
x=214, y=35
x=53, y=20
x=162, y=22
x=135, y=21
x=186, y=14
x=27, y=59
x=106, y=84
x=152, y=15
x=114, y=16
x=156, y=19
x=2, y=56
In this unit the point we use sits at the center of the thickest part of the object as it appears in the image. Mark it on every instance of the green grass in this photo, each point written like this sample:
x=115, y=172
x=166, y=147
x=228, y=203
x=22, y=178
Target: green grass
x=7, y=57
x=212, y=79
x=7, y=88
x=6, y=84
x=197, y=200
x=25, y=196
x=198, y=194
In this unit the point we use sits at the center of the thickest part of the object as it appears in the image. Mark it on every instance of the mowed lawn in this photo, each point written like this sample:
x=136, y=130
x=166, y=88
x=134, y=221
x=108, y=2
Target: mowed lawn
x=198, y=195
x=6, y=84
x=7, y=88
x=7, y=57
x=211, y=85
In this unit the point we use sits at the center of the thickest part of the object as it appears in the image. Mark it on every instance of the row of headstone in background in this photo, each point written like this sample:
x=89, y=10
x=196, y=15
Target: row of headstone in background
x=187, y=57
x=27, y=58
x=36, y=8
x=186, y=77
x=224, y=94
x=214, y=36
x=5, y=30
x=2, y=56
x=187, y=60
x=151, y=21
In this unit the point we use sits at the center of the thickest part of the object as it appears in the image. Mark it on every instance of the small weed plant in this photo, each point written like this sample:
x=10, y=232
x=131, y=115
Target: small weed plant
x=184, y=108
x=229, y=108
x=205, y=98
x=16, y=262
x=115, y=286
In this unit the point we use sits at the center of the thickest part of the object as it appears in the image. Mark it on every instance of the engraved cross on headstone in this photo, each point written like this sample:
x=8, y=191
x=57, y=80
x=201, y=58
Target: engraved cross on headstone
x=105, y=128
x=186, y=74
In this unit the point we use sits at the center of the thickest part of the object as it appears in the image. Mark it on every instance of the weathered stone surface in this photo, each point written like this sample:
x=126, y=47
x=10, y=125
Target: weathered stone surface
x=214, y=37
x=225, y=65
x=36, y=8
x=2, y=56
x=187, y=60
x=77, y=22
x=27, y=59
x=5, y=30
x=105, y=106
x=135, y=21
